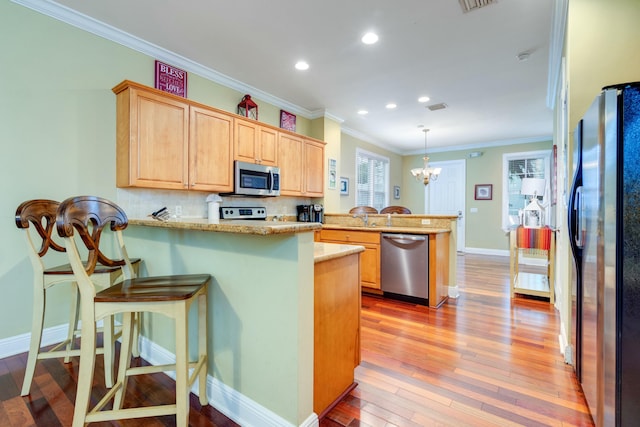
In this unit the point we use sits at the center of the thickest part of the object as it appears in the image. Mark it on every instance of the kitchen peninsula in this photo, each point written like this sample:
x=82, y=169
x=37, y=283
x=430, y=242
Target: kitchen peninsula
x=261, y=343
x=367, y=230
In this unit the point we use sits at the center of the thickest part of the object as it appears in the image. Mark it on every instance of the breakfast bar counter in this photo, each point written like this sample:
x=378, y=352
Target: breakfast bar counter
x=261, y=311
x=261, y=228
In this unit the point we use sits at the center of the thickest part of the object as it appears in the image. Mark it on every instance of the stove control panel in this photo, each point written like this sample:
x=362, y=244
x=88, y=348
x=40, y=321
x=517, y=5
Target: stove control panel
x=229, y=212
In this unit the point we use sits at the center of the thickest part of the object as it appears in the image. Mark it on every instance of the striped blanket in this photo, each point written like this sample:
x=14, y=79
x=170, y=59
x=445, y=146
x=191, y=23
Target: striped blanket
x=536, y=240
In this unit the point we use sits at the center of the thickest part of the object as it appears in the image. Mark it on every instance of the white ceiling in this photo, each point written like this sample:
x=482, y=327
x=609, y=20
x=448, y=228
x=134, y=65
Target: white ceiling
x=426, y=47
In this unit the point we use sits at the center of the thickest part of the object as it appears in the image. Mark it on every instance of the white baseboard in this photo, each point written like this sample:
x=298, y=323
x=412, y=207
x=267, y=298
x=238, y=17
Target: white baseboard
x=230, y=402
x=523, y=258
x=21, y=343
x=225, y=399
x=485, y=251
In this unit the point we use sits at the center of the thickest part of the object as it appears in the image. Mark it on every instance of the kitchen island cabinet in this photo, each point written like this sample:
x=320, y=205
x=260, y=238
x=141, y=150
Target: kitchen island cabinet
x=369, y=259
x=166, y=142
x=336, y=323
x=440, y=229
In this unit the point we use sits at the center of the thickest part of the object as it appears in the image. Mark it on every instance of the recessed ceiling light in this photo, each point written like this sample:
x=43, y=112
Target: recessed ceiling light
x=370, y=38
x=423, y=99
x=363, y=112
x=302, y=65
x=391, y=106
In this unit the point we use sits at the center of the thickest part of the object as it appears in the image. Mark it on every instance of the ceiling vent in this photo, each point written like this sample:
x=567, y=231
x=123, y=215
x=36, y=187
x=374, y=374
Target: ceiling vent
x=469, y=5
x=435, y=107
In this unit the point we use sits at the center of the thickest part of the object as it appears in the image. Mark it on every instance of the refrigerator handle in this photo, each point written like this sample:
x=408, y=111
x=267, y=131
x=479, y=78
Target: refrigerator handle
x=579, y=211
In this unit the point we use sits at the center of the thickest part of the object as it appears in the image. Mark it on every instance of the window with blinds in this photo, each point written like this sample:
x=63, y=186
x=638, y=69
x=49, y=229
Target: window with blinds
x=517, y=166
x=372, y=179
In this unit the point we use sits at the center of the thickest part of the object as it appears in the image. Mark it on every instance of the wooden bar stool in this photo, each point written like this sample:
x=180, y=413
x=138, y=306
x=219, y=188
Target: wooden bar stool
x=363, y=209
x=41, y=214
x=396, y=210
x=81, y=222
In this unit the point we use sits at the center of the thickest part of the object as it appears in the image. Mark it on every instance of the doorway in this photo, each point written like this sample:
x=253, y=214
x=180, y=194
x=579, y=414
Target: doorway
x=447, y=195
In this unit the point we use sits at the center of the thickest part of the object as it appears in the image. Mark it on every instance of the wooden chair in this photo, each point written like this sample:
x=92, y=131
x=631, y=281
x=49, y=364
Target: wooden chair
x=41, y=214
x=395, y=209
x=81, y=222
x=363, y=209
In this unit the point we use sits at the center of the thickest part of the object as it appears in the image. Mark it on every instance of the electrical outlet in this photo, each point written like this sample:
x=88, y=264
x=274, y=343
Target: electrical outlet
x=426, y=221
x=473, y=210
x=178, y=211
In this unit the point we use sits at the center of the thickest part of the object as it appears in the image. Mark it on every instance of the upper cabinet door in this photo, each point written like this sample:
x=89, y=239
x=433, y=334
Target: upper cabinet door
x=291, y=169
x=152, y=135
x=210, y=154
x=314, y=168
x=254, y=143
x=245, y=141
x=268, y=143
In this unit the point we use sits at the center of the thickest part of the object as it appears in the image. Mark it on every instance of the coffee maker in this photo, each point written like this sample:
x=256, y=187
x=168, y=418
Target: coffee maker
x=310, y=213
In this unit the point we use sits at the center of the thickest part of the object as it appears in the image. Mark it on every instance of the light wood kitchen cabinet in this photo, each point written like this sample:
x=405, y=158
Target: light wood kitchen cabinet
x=210, y=150
x=167, y=142
x=313, y=168
x=152, y=140
x=301, y=162
x=336, y=330
x=254, y=143
x=369, y=259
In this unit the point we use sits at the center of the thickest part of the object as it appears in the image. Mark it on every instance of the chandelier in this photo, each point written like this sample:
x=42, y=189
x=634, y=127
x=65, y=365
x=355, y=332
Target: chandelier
x=426, y=173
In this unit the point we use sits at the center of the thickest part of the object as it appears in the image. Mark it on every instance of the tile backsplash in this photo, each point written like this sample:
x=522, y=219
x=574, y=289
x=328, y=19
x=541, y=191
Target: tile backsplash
x=139, y=203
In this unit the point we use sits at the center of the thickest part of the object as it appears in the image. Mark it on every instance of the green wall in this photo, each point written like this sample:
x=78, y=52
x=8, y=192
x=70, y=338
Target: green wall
x=347, y=168
x=57, y=130
x=483, y=229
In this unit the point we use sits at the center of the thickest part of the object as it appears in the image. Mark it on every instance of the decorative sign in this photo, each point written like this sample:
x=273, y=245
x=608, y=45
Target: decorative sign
x=287, y=121
x=171, y=79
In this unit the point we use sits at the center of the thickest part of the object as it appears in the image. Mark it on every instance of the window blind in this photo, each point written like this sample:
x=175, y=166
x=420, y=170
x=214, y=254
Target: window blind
x=372, y=180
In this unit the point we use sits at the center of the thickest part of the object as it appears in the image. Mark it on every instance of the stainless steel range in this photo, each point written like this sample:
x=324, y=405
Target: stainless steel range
x=243, y=212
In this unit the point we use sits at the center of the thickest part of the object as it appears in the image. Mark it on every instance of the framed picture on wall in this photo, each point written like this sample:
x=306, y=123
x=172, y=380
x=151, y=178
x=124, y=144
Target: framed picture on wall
x=484, y=192
x=344, y=186
x=287, y=121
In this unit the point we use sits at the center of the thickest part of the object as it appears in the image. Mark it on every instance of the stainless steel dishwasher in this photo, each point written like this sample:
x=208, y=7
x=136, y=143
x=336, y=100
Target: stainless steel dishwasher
x=404, y=267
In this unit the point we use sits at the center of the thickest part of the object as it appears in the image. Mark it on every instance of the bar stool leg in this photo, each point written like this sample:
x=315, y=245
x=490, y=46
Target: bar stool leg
x=182, y=365
x=125, y=358
x=36, y=337
x=108, y=344
x=202, y=347
x=73, y=320
x=87, y=365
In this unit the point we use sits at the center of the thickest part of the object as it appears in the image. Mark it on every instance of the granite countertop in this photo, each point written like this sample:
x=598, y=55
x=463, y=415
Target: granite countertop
x=257, y=227
x=327, y=251
x=385, y=229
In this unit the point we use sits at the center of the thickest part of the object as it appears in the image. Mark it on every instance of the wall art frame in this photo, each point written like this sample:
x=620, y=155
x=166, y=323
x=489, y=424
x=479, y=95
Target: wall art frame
x=287, y=121
x=483, y=192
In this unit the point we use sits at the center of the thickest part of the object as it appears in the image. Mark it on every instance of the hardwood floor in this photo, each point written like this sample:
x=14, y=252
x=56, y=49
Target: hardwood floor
x=480, y=360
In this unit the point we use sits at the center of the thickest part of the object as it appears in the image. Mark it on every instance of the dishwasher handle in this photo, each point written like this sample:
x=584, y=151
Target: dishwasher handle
x=404, y=237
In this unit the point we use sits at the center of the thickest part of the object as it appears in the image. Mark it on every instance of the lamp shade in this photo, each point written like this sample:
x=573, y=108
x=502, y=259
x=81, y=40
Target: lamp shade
x=533, y=186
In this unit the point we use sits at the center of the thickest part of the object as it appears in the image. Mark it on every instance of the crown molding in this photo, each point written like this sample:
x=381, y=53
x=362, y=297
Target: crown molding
x=489, y=144
x=106, y=31
x=556, y=48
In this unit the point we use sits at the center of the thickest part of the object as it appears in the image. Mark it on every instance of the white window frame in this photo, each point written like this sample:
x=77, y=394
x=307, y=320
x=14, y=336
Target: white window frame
x=360, y=153
x=510, y=221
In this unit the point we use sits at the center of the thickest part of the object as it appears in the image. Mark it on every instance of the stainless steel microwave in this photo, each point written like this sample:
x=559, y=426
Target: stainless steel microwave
x=256, y=180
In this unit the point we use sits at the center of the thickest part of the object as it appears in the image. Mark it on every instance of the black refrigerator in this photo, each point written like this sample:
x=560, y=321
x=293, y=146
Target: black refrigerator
x=604, y=231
